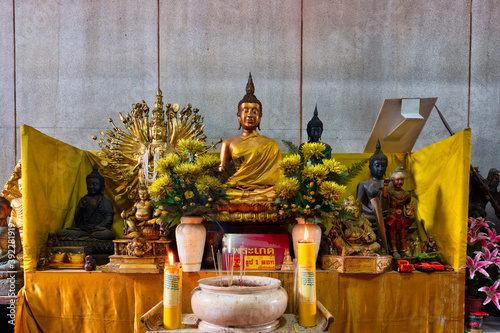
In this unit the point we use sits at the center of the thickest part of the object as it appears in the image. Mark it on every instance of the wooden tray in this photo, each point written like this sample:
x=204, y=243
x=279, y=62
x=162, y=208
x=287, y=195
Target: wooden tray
x=153, y=320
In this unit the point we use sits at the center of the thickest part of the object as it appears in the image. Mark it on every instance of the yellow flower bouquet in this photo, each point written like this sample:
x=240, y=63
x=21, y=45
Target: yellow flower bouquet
x=187, y=184
x=312, y=186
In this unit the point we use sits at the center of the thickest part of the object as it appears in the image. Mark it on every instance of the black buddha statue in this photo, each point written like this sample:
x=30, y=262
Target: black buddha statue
x=94, y=213
x=374, y=187
x=314, y=132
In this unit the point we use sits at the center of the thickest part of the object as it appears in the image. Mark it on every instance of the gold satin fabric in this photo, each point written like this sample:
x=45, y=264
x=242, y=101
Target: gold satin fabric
x=360, y=303
x=260, y=166
x=54, y=180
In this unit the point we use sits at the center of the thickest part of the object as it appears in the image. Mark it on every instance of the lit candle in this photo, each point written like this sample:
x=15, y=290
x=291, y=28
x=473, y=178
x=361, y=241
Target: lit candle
x=307, y=281
x=172, y=291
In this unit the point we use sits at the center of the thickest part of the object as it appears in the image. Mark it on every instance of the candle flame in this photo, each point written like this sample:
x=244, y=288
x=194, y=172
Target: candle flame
x=171, y=258
x=306, y=234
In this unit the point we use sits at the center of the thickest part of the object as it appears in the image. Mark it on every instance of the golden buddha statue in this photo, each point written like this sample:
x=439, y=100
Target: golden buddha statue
x=258, y=171
x=354, y=236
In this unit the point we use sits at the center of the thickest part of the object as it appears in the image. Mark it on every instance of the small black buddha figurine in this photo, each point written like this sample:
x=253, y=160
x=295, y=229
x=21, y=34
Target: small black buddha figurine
x=90, y=263
x=314, y=132
x=374, y=187
x=94, y=213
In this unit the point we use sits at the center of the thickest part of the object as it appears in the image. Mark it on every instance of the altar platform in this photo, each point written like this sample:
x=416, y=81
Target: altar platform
x=79, y=301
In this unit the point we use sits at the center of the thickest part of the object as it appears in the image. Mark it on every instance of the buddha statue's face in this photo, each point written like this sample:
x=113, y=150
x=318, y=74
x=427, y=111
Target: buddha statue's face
x=143, y=194
x=377, y=168
x=398, y=180
x=93, y=186
x=315, y=134
x=249, y=115
x=158, y=133
x=353, y=208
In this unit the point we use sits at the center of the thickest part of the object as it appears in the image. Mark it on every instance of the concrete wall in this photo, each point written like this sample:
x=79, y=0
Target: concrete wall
x=81, y=62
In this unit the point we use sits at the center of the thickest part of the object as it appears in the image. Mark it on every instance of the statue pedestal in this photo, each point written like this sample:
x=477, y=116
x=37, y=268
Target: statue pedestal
x=248, y=211
x=152, y=261
x=356, y=264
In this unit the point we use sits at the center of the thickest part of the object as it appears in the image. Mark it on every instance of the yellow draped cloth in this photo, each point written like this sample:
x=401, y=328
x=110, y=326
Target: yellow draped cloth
x=54, y=179
x=259, y=170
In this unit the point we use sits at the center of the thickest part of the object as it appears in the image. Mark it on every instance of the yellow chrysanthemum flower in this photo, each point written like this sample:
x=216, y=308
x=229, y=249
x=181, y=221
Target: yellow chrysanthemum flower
x=315, y=172
x=313, y=149
x=189, y=195
x=192, y=146
x=334, y=166
x=290, y=164
x=208, y=162
x=187, y=172
x=208, y=185
x=161, y=187
x=286, y=187
x=166, y=164
x=332, y=191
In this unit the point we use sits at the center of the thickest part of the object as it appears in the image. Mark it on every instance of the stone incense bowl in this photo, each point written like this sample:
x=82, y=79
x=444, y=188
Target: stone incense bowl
x=254, y=304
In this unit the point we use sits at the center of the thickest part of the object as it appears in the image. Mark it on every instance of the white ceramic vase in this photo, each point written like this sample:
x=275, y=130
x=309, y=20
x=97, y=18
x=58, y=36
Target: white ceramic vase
x=298, y=231
x=254, y=305
x=190, y=236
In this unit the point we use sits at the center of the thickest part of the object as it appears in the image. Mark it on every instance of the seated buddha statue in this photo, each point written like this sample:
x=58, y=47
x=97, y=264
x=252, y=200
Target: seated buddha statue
x=94, y=213
x=314, y=132
x=139, y=215
x=259, y=155
x=354, y=236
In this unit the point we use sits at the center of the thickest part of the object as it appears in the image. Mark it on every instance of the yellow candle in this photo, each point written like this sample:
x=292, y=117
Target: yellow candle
x=307, y=281
x=172, y=291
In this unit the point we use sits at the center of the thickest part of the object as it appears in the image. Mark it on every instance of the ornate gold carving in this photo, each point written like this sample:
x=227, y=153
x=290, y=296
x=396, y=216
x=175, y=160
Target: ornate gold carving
x=129, y=156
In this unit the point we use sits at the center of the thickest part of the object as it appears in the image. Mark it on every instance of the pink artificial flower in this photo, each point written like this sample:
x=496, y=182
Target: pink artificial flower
x=478, y=223
x=492, y=294
x=488, y=245
x=473, y=237
x=487, y=255
x=492, y=235
x=475, y=265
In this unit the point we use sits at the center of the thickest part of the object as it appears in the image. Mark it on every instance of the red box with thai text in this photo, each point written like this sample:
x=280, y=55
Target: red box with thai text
x=257, y=251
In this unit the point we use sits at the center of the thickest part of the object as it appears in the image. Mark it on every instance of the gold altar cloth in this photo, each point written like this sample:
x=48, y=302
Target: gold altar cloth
x=78, y=301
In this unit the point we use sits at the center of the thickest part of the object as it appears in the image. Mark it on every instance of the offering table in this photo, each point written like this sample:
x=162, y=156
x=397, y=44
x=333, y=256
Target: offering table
x=82, y=301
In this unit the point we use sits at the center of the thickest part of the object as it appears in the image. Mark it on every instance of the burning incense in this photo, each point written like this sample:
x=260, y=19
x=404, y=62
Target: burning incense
x=219, y=263
x=241, y=266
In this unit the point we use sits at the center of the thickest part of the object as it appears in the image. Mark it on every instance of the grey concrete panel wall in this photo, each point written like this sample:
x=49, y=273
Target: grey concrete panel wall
x=485, y=88
x=7, y=128
x=80, y=63
x=358, y=53
x=208, y=49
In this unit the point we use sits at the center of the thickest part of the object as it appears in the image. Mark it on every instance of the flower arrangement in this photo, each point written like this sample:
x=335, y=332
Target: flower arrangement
x=187, y=184
x=312, y=186
x=483, y=262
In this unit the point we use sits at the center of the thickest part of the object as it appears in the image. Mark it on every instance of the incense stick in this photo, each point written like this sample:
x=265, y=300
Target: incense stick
x=241, y=266
x=295, y=302
x=219, y=262
x=215, y=263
